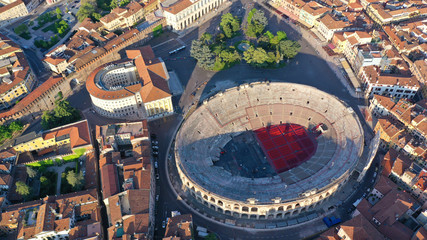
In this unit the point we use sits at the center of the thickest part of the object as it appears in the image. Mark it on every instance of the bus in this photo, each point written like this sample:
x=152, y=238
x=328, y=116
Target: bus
x=176, y=50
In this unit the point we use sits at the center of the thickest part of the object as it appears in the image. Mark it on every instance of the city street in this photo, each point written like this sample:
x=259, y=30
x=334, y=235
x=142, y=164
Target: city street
x=307, y=68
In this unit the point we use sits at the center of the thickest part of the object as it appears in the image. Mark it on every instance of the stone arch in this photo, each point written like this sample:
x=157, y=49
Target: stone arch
x=220, y=203
x=261, y=216
x=236, y=206
x=245, y=215
x=245, y=209
x=206, y=197
x=287, y=214
x=254, y=209
x=280, y=208
x=253, y=216
x=236, y=215
x=289, y=207
x=227, y=212
x=279, y=215
x=297, y=205
x=213, y=199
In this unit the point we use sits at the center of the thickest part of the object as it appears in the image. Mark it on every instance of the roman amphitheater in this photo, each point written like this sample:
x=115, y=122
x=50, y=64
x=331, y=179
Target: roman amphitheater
x=268, y=150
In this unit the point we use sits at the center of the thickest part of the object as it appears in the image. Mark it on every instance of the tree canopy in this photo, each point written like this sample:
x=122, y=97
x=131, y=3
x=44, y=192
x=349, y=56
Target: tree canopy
x=75, y=179
x=203, y=55
x=230, y=25
x=62, y=114
x=86, y=10
x=22, y=189
x=256, y=23
x=289, y=48
x=6, y=131
x=31, y=172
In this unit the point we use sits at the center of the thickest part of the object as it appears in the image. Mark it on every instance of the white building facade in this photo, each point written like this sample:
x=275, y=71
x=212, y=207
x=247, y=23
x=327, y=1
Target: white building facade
x=180, y=14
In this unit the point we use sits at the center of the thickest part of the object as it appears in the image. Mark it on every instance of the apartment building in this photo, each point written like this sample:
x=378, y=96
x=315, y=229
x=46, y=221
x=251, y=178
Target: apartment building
x=123, y=17
x=12, y=12
x=70, y=137
x=16, y=77
x=180, y=14
x=384, y=14
x=67, y=216
x=388, y=85
x=311, y=12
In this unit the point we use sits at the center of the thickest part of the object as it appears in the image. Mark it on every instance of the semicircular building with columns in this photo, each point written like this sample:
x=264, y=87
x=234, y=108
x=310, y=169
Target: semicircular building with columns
x=132, y=88
x=268, y=150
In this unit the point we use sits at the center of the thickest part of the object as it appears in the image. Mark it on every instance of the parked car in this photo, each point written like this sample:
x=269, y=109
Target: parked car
x=157, y=197
x=154, y=142
x=157, y=176
x=163, y=224
x=155, y=147
x=156, y=165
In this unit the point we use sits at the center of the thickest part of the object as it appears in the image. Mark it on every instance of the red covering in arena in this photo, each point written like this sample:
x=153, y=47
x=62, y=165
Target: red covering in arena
x=286, y=145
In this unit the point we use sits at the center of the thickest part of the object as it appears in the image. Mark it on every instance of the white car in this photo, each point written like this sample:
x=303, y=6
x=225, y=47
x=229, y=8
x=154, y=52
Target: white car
x=163, y=224
x=156, y=165
x=155, y=147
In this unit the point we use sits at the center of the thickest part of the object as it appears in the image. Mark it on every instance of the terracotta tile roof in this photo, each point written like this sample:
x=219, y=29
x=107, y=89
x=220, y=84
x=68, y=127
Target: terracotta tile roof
x=89, y=25
x=54, y=61
x=422, y=180
x=401, y=163
x=138, y=200
x=359, y=228
x=180, y=226
x=388, y=161
x=137, y=223
x=90, y=178
x=115, y=210
x=85, y=196
x=420, y=234
x=386, y=102
x=150, y=69
x=178, y=6
x=385, y=185
x=10, y=6
x=77, y=132
x=5, y=166
x=390, y=127
x=7, y=153
x=31, y=97
x=5, y=179
x=332, y=23
x=109, y=17
x=62, y=224
x=109, y=180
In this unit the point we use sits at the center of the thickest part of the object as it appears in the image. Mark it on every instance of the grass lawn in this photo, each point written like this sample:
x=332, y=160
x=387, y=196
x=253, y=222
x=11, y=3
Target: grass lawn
x=25, y=35
x=45, y=163
x=51, y=27
x=77, y=153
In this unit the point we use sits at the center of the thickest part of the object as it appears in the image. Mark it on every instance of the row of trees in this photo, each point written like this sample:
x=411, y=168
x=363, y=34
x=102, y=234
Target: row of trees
x=7, y=131
x=46, y=44
x=62, y=114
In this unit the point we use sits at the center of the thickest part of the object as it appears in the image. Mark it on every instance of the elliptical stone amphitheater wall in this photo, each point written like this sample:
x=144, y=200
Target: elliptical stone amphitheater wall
x=250, y=107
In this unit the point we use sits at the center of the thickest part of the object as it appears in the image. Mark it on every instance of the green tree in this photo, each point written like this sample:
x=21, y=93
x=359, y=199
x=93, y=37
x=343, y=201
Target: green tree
x=15, y=126
x=229, y=24
x=289, y=48
x=31, y=172
x=44, y=181
x=211, y=236
x=96, y=16
x=58, y=13
x=86, y=10
x=206, y=38
x=22, y=189
x=21, y=29
x=257, y=57
x=203, y=55
x=257, y=23
x=75, y=179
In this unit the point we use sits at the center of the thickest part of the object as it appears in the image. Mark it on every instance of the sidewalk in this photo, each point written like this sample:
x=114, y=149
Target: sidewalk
x=317, y=45
x=208, y=16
